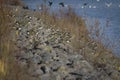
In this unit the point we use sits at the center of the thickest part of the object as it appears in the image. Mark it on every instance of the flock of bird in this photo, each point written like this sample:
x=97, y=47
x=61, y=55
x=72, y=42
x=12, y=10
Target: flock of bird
x=50, y=3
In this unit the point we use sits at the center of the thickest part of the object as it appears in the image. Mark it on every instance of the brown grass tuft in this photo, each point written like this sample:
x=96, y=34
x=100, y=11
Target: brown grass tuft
x=9, y=68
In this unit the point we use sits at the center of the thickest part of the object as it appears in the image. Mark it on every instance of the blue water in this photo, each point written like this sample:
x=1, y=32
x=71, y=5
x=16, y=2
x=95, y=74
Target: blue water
x=106, y=11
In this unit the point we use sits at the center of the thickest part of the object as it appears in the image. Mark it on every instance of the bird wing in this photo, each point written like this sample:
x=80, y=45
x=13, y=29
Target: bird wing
x=108, y=4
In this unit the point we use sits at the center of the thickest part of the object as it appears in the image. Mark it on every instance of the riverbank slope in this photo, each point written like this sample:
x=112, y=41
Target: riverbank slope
x=49, y=48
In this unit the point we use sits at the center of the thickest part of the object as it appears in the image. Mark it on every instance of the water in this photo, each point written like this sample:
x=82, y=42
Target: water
x=106, y=11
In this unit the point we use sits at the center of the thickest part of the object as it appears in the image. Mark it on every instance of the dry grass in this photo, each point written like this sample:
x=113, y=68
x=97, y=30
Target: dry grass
x=94, y=51
x=4, y=43
x=67, y=21
x=101, y=56
x=9, y=68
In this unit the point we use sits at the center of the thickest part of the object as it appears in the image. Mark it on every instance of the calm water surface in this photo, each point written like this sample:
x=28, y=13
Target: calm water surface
x=106, y=11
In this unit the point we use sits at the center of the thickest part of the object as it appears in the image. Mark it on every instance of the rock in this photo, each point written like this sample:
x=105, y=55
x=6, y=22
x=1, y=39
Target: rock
x=46, y=57
x=36, y=73
x=36, y=59
x=55, y=66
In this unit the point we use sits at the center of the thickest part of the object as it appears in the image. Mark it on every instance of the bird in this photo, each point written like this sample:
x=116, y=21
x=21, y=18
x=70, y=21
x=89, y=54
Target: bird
x=50, y=3
x=90, y=6
x=62, y=4
x=98, y=0
x=25, y=7
x=118, y=5
x=82, y=6
x=39, y=8
x=66, y=5
x=85, y=4
x=94, y=6
x=108, y=4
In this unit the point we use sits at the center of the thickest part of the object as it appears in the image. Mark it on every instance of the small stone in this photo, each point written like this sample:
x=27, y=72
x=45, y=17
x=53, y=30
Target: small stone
x=16, y=9
x=19, y=29
x=41, y=28
x=68, y=41
x=29, y=22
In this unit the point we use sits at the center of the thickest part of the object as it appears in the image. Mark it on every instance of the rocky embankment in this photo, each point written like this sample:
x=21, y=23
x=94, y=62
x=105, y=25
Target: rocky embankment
x=47, y=54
